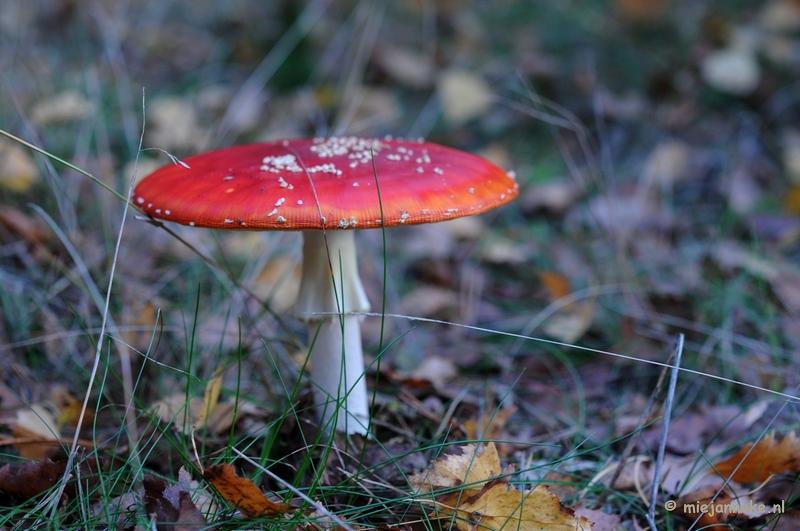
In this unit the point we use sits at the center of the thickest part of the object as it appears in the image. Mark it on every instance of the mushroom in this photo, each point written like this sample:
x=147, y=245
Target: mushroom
x=327, y=188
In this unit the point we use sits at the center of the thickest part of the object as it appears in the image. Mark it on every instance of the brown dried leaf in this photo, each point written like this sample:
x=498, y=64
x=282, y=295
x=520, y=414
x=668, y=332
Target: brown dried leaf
x=243, y=493
x=558, y=286
x=31, y=479
x=767, y=458
x=170, y=504
x=27, y=227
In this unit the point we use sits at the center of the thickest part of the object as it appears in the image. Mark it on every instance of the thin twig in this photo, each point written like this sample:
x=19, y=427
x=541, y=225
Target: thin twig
x=662, y=444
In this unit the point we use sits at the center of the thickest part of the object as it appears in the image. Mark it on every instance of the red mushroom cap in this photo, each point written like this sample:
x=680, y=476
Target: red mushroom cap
x=305, y=184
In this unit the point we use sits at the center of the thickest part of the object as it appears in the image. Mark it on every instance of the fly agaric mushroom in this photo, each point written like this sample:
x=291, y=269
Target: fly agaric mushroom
x=327, y=188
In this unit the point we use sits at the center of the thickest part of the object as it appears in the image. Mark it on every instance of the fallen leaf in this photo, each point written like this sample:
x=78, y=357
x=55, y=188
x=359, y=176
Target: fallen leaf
x=601, y=521
x=642, y=11
x=33, y=478
x=18, y=172
x=487, y=501
x=210, y=399
x=464, y=95
x=780, y=16
x=436, y=370
x=63, y=107
x=735, y=69
x=27, y=227
x=758, y=463
x=667, y=163
x=278, y=283
x=171, y=506
x=173, y=124
x=471, y=468
x=489, y=425
x=405, y=66
x=431, y=301
x=37, y=428
x=243, y=493
x=782, y=275
x=791, y=202
x=500, y=506
x=557, y=286
x=203, y=413
x=791, y=155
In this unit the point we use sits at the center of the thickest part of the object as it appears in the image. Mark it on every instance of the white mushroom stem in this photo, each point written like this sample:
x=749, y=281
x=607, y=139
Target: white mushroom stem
x=337, y=360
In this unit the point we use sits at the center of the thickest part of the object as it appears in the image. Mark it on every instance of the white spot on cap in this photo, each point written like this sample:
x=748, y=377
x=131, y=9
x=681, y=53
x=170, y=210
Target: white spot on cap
x=471, y=190
x=342, y=223
x=353, y=221
x=403, y=216
x=274, y=211
x=167, y=212
x=149, y=205
x=280, y=201
x=299, y=201
x=158, y=211
x=420, y=170
x=228, y=178
x=280, y=219
x=282, y=182
x=228, y=221
x=277, y=163
x=438, y=171
x=355, y=184
x=425, y=211
x=191, y=223
x=140, y=200
x=512, y=174
x=325, y=168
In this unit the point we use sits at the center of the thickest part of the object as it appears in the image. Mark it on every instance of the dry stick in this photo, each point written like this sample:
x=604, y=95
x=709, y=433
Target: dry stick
x=662, y=444
x=648, y=408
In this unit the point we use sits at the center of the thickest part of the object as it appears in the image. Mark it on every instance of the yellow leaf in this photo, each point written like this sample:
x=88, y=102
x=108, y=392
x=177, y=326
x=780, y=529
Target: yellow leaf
x=499, y=506
x=210, y=398
x=18, y=172
x=486, y=501
x=472, y=469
